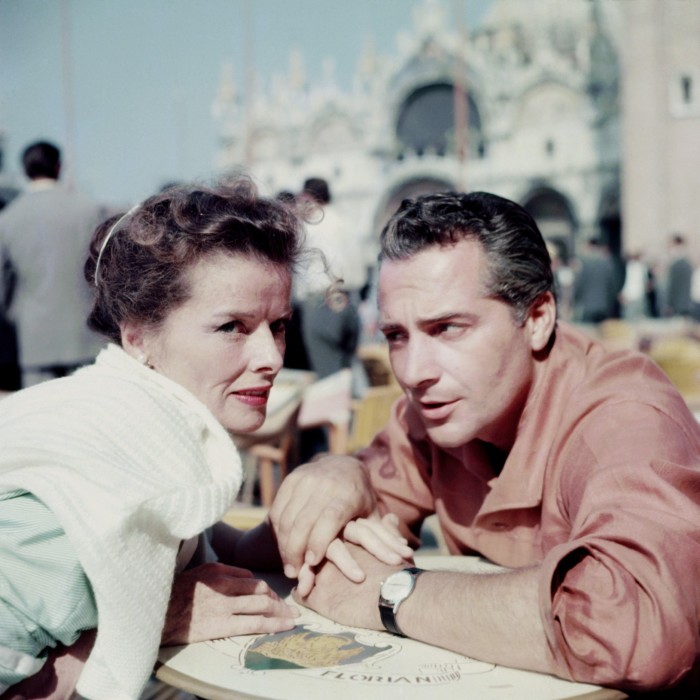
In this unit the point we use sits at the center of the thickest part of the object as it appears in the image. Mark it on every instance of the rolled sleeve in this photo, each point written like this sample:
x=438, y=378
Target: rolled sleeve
x=620, y=599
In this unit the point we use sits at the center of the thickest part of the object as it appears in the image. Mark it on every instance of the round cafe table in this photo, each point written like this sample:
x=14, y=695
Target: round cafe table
x=320, y=659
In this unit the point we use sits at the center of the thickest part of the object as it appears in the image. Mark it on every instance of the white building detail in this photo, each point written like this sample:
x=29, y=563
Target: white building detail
x=537, y=84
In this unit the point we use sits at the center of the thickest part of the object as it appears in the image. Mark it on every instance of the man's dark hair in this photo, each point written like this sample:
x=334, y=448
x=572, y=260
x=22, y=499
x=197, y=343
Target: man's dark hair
x=41, y=159
x=519, y=268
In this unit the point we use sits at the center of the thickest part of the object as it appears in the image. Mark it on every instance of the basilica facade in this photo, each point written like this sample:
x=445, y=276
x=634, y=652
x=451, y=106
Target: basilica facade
x=527, y=105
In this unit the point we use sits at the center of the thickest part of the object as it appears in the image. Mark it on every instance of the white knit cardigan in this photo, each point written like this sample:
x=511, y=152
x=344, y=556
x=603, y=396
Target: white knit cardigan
x=131, y=464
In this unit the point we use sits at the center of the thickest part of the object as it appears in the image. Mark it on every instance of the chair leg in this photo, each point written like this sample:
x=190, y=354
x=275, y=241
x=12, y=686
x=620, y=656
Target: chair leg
x=266, y=474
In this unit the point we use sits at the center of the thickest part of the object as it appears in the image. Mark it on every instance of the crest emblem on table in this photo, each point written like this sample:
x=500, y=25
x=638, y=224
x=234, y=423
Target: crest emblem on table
x=301, y=647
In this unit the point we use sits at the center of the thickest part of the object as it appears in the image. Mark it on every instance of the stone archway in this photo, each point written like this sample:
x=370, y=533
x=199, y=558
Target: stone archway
x=555, y=218
x=414, y=187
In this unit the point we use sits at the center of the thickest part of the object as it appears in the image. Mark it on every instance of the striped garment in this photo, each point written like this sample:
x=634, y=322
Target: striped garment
x=45, y=598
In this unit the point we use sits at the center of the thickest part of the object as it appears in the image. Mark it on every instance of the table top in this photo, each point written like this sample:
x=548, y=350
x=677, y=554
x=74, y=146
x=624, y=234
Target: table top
x=321, y=659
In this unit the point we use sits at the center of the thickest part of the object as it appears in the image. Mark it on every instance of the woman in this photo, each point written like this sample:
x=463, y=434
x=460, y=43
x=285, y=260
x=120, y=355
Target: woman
x=108, y=477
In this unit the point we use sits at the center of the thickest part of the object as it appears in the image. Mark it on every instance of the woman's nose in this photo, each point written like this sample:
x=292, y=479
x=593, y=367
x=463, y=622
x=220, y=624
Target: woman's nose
x=267, y=352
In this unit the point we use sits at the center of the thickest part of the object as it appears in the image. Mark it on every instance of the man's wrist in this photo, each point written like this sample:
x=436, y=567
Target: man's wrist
x=393, y=591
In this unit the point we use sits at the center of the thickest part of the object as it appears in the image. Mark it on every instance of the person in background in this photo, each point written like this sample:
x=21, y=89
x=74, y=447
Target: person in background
x=295, y=354
x=43, y=235
x=634, y=294
x=596, y=285
x=679, y=277
x=328, y=297
x=563, y=280
x=115, y=478
x=330, y=321
x=10, y=374
x=576, y=468
x=695, y=293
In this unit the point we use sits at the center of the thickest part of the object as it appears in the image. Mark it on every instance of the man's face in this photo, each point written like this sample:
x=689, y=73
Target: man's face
x=465, y=365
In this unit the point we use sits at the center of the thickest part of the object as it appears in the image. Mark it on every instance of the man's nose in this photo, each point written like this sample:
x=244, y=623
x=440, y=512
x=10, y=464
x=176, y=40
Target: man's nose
x=417, y=366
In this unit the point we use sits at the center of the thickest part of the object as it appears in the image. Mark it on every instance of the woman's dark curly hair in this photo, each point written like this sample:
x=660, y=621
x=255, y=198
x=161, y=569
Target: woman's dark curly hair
x=139, y=273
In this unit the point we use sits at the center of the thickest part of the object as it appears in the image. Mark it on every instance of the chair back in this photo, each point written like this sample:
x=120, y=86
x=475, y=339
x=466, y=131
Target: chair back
x=679, y=358
x=327, y=403
x=371, y=414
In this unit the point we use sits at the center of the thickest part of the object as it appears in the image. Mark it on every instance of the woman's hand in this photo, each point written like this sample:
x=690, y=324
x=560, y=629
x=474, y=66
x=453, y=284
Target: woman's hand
x=378, y=536
x=215, y=600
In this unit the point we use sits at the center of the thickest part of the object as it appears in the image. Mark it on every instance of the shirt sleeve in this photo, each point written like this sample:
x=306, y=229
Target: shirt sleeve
x=620, y=599
x=45, y=597
x=399, y=466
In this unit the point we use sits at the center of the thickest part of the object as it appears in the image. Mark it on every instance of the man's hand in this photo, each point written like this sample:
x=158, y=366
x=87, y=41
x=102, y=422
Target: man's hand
x=214, y=601
x=335, y=596
x=58, y=676
x=313, y=505
x=379, y=536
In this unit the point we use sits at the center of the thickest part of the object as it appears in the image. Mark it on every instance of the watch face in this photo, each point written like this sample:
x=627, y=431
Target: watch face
x=397, y=586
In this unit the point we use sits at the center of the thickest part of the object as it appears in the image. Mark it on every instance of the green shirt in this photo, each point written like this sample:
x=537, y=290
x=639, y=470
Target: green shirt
x=45, y=597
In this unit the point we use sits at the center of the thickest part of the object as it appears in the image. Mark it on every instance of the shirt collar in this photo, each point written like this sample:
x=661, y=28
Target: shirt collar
x=42, y=184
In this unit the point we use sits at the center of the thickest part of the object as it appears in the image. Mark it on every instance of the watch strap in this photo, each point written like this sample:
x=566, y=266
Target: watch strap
x=387, y=611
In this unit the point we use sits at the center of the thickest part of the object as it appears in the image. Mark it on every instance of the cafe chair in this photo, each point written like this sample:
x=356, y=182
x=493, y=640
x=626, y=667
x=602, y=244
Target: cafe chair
x=679, y=358
x=371, y=413
x=618, y=334
x=327, y=404
x=375, y=358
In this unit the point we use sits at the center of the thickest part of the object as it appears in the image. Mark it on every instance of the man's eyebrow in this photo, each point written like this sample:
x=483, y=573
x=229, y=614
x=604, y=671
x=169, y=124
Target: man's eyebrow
x=431, y=320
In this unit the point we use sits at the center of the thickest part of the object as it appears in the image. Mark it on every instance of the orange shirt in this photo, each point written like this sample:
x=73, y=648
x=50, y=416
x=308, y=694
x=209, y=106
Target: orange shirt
x=601, y=488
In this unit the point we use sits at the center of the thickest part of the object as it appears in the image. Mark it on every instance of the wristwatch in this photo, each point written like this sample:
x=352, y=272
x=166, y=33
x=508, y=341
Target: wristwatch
x=392, y=592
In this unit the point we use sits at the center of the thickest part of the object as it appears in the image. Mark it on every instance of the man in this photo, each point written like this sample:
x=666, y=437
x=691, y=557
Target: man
x=596, y=285
x=678, y=279
x=44, y=235
x=578, y=469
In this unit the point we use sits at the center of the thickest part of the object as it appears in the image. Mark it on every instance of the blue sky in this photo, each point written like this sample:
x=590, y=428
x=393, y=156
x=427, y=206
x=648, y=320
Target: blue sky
x=142, y=75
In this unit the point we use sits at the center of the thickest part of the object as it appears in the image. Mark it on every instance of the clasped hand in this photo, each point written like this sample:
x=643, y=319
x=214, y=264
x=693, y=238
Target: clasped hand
x=379, y=537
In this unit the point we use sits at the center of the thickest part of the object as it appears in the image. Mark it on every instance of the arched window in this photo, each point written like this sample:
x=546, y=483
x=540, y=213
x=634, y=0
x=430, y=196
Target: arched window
x=426, y=122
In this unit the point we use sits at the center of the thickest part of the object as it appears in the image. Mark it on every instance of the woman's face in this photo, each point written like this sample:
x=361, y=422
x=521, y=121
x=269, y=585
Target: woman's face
x=226, y=342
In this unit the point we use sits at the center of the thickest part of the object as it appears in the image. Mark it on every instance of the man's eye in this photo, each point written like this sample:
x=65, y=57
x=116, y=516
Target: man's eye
x=448, y=329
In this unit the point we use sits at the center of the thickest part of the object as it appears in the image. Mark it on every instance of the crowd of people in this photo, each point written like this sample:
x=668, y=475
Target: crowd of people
x=597, y=285
x=575, y=468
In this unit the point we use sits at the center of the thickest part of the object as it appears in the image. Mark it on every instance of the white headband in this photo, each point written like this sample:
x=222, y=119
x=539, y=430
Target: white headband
x=110, y=233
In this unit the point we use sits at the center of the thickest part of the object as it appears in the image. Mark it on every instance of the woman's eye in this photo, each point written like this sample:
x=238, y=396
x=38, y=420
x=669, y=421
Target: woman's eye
x=393, y=337
x=231, y=327
x=279, y=327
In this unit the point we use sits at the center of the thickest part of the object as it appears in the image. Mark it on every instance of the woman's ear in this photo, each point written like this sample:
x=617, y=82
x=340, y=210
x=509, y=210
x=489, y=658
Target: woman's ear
x=133, y=340
x=541, y=320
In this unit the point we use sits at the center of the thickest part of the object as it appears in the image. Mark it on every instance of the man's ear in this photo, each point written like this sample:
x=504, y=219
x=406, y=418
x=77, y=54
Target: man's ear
x=541, y=320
